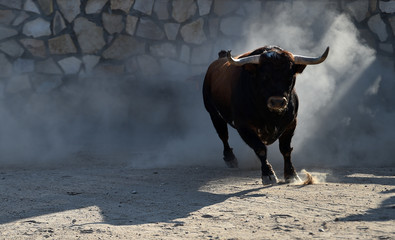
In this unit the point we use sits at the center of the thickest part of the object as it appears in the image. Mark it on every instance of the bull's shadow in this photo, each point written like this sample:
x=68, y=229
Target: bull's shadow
x=124, y=196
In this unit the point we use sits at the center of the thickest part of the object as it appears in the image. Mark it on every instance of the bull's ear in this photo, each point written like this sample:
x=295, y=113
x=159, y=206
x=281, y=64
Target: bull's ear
x=298, y=68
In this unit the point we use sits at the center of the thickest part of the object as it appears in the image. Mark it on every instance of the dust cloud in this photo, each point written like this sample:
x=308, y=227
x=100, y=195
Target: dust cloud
x=345, y=118
x=346, y=103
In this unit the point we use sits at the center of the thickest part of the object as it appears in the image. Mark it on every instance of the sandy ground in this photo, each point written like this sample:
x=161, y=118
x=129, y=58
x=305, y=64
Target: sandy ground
x=118, y=202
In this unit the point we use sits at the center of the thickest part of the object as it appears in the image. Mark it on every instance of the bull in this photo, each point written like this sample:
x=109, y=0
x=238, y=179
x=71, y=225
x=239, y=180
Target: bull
x=254, y=93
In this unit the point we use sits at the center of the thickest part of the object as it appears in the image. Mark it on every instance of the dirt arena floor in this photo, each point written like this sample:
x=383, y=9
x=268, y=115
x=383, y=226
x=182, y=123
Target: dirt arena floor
x=118, y=202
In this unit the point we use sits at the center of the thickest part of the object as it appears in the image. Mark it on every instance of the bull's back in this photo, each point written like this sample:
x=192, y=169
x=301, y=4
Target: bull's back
x=218, y=87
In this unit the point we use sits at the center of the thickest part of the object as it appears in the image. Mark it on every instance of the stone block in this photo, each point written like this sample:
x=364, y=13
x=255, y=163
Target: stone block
x=185, y=53
x=144, y=6
x=113, y=23
x=213, y=26
x=18, y=83
x=16, y=4
x=37, y=28
x=387, y=6
x=183, y=10
x=94, y=6
x=171, y=30
x=6, y=16
x=30, y=6
x=131, y=23
x=232, y=26
x=368, y=37
x=70, y=65
x=377, y=25
x=90, y=62
x=47, y=66
x=174, y=69
x=22, y=65
x=148, y=29
x=11, y=48
x=46, y=6
x=44, y=83
x=163, y=50
x=160, y=9
x=148, y=65
x=391, y=20
x=6, y=32
x=386, y=47
x=22, y=16
x=58, y=23
x=358, y=9
x=131, y=65
x=373, y=5
x=35, y=46
x=223, y=7
x=201, y=54
x=123, y=47
x=123, y=5
x=193, y=32
x=69, y=8
x=89, y=35
x=62, y=45
x=204, y=6
x=5, y=66
x=109, y=69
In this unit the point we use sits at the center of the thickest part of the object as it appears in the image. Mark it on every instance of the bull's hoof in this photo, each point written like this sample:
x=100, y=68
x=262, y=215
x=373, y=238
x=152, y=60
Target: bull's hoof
x=232, y=163
x=293, y=179
x=230, y=159
x=269, y=179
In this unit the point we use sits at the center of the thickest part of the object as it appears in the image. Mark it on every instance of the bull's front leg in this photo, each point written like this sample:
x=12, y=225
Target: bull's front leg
x=290, y=174
x=252, y=139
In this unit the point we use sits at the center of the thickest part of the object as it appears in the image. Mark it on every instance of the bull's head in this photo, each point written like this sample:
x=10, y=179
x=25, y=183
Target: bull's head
x=275, y=70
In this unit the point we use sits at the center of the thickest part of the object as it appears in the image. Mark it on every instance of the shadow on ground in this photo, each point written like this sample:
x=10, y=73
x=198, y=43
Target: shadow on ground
x=124, y=196
x=128, y=196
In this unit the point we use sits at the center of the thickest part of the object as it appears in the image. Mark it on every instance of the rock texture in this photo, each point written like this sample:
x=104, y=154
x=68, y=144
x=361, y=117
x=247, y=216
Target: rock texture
x=123, y=47
x=34, y=46
x=53, y=38
x=69, y=8
x=204, y=6
x=58, y=23
x=95, y=6
x=90, y=37
x=144, y=6
x=160, y=9
x=70, y=65
x=62, y=44
x=149, y=29
x=183, y=10
x=113, y=23
x=123, y=5
x=6, y=32
x=37, y=28
x=377, y=25
x=358, y=9
x=193, y=32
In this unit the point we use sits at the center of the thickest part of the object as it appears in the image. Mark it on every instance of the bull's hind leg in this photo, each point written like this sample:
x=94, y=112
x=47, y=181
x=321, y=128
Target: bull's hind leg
x=286, y=149
x=222, y=129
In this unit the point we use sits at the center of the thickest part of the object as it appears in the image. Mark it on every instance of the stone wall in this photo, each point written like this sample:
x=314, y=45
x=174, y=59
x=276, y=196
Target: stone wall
x=44, y=41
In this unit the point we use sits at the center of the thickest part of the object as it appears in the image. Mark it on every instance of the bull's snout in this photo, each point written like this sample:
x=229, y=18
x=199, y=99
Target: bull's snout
x=277, y=104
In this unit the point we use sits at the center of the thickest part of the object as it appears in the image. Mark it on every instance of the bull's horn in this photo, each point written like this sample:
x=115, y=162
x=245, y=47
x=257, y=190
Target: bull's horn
x=311, y=60
x=241, y=61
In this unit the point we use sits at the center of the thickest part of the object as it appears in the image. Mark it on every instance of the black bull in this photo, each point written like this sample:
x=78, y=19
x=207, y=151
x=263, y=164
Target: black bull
x=254, y=93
